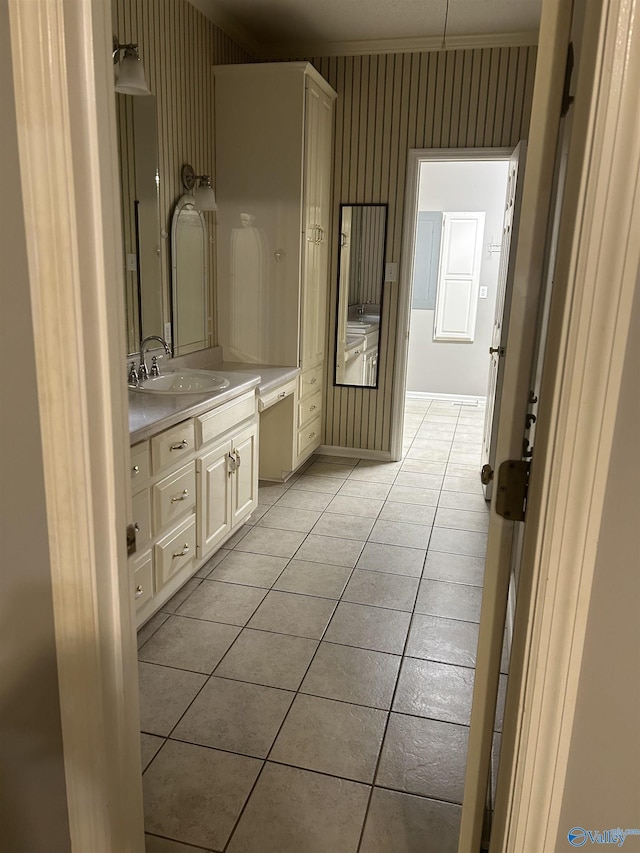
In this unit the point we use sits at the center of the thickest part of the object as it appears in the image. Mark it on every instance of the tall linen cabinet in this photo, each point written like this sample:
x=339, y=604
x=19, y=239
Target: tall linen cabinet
x=274, y=136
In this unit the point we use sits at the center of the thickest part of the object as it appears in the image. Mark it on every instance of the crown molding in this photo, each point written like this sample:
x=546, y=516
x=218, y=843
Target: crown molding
x=418, y=44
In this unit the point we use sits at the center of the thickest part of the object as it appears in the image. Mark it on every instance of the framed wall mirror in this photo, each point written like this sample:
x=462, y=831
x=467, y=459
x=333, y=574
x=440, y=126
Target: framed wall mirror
x=140, y=187
x=363, y=232
x=189, y=278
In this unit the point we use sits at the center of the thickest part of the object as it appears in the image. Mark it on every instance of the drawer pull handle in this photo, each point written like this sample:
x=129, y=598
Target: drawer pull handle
x=312, y=408
x=313, y=381
x=182, y=497
x=135, y=470
x=184, y=443
x=185, y=549
x=238, y=459
x=139, y=591
x=232, y=463
x=312, y=435
x=282, y=394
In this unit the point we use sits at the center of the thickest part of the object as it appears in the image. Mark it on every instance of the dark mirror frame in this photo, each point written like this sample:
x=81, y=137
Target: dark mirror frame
x=344, y=205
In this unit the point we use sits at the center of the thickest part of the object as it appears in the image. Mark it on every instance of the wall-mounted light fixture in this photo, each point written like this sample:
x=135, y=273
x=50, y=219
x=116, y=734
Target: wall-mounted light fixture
x=203, y=193
x=130, y=79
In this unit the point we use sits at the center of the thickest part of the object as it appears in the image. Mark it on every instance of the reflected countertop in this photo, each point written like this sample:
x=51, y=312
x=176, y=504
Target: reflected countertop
x=152, y=413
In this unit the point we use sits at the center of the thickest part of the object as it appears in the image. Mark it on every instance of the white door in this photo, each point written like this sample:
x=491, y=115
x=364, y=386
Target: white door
x=459, y=276
x=214, y=515
x=503, y=302
x=537, y=199
x=245, y=487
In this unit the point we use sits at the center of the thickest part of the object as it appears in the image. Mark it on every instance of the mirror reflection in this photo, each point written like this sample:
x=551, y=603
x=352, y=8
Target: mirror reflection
x=189, y=289
x=360, y=281
x=140, y=186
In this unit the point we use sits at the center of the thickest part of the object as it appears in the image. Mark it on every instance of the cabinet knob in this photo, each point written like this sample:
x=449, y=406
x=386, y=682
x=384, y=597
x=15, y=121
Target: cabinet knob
x=181, y=446
x=313, y=381
x=185, y=549
x=135, y=470
x=136, y=527
x=182, y=497
x=139, y=591
x=282, y=394
x=313, y=408
x=312, y=435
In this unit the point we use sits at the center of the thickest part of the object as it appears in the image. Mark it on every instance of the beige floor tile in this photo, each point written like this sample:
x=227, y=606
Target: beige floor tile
x=471, y=484
x=454, y=568
x=300, y=499
x=350, y=674
x=355, y=506
x=460, y=519
x=331, y=737
x=352, y=461
x=269, y=493
x=191, y=644
x=379, y=589
x=392, y=559
x=149, y=746
x=401, y=533
x=288, y=613
x=364, y=489
x=309, y=483
x=257, y=514
x=274, y=543
x=412, y=495
x=458, y=542
x=329, y=549
x=426, y=757
x=179, y=806
x=463, y=500
x=235, y=716
x=150, y=627
x=369, y=627
x=439, y=691
x=211, y=564
x=275, y=660
x=309, y=578
x=181, y=595
x=242, y=567
x=449, y=600
x=218, y=601
x=165, y=694
x=410, y=513
x=380, y=473
x=444, y=640
x=155, y=844
x=417, y=480
x=295, y=811
x=422, y=466
x=288, y=518
x=404, y=823
x=344, y=526
x=328, y=469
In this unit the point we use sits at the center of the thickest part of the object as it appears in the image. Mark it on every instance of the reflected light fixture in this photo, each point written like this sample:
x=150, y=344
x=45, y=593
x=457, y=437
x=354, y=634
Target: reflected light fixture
x=203, y=194
x=130, y=79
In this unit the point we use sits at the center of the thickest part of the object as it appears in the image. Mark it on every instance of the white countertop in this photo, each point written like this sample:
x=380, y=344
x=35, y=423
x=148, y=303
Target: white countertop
x=150, y=413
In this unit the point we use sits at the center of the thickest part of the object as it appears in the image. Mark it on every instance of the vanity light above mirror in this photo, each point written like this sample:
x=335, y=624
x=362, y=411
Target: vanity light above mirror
x=129, y=71
x=203, y=194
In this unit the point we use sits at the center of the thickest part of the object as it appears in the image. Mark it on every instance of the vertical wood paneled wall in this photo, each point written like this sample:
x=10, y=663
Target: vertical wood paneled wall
x=178, y=46
x=388, y=104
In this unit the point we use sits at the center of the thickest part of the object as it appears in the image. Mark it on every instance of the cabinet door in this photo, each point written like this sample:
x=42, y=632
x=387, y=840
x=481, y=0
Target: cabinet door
x=245, y=490
x=215, y=484
x=317, y=191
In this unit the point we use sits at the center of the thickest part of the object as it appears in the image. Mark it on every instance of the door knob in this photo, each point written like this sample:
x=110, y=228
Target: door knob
x=495, y=349
x=486, y=474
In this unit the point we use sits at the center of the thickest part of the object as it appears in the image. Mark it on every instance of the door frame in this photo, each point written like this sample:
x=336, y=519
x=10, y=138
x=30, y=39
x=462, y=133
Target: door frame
x=415, y=158
x=66, y=129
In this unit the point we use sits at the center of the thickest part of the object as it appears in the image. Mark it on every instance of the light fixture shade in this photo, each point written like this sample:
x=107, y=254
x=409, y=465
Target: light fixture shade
x=130, y=75
x=204, y=195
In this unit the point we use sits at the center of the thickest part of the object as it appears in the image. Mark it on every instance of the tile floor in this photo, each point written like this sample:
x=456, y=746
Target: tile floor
x=309, y=691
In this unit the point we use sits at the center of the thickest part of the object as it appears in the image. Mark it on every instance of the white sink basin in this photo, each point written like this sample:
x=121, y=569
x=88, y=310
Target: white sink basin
x=183, y=382
x=361, y=326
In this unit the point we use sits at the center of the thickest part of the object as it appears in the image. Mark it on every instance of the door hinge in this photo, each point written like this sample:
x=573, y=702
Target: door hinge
x=131, y=539
x=513, y=482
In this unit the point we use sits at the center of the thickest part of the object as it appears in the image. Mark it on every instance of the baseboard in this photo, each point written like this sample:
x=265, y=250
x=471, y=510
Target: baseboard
x=460, y=399
x=355, y=452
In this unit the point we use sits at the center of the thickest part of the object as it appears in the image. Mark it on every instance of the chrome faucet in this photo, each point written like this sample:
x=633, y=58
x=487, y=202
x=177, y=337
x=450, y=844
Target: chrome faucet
x=143, y=372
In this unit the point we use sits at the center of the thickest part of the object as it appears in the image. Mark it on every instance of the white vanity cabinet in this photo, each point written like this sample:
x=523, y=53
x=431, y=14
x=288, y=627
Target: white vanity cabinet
x=274, y=137
x=192, y=485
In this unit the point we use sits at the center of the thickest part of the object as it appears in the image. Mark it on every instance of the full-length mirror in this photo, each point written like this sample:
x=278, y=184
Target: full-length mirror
x=189, y=280
x=140, y=184
x=360, y=280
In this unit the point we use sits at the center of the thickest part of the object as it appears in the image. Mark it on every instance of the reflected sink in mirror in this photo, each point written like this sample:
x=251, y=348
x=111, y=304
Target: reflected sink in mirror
x=183, y=382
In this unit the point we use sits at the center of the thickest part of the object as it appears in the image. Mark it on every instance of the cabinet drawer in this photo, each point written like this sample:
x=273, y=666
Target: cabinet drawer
x=212, y=425
x=142, y=579
x=141, y=505
x=310, y=408
x=310, y=381
x=266, y=400
x=309, y=437
x=174, y=496
x=175, y=550
x=170, y=446
x=140, y=463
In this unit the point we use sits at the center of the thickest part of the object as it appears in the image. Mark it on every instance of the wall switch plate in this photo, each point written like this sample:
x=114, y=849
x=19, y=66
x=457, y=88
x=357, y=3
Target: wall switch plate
x=391, y=272
x=484, y=292
x=132, y=262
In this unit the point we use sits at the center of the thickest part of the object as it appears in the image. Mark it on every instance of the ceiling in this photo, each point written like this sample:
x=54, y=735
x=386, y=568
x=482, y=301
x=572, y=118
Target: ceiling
x=296, y=28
